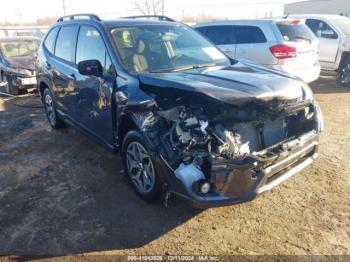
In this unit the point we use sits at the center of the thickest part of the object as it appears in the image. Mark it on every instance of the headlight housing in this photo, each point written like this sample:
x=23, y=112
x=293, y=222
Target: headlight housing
x=307, y=93
x=346, y=45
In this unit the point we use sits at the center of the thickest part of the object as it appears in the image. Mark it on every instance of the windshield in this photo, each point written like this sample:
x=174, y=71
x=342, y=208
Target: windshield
x=164, y=48
x=343, y=23
x=19, y=48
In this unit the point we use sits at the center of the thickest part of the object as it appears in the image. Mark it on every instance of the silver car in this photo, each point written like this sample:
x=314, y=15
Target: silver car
x=284, y=44
x=333, y=31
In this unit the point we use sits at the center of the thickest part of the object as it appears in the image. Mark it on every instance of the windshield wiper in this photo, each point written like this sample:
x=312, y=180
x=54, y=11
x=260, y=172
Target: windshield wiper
x=193, y=67
x=183, y=68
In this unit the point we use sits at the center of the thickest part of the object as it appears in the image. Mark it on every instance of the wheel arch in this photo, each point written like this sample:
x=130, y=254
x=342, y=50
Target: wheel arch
x=42, y=86
x=343, y=59
x=126, y=122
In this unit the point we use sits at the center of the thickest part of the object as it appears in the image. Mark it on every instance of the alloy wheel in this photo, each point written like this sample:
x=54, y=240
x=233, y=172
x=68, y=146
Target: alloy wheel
x=50, y=110
x=345, y=75
x=140, y=167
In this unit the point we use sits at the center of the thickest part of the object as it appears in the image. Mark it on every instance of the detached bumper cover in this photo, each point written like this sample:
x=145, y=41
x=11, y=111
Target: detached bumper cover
x=245, y=183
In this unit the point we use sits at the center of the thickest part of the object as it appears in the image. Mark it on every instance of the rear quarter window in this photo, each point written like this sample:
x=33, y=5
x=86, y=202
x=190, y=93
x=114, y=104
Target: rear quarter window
x=295, y=32
x=49, y=42
x=249, y=35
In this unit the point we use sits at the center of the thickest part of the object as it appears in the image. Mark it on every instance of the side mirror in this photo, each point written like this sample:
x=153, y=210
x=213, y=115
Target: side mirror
x=329, y=34
x=90, y=68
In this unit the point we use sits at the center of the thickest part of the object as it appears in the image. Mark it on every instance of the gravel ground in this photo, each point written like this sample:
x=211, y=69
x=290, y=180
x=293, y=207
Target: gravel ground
x=61, y=194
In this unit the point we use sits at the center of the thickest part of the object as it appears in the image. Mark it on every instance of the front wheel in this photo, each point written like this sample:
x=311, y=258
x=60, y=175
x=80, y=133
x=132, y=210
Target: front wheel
x=343, y=77
x=140, y=167
x=50, y=110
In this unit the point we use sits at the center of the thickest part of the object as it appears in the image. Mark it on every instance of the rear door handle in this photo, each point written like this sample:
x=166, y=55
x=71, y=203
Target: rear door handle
x=73, y=76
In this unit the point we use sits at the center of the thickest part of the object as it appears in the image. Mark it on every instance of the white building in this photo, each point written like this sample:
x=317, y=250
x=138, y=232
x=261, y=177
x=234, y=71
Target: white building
x=222, y=9
x=319, y=7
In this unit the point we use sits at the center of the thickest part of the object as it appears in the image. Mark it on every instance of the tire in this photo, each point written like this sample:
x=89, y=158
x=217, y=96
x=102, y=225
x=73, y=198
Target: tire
x=343, y=77
x=51, y=113
x=139, y=167
x=9, y=88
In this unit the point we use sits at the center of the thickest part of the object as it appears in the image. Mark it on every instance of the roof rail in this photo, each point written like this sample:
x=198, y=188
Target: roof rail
x=159, y=17
x=73, y=17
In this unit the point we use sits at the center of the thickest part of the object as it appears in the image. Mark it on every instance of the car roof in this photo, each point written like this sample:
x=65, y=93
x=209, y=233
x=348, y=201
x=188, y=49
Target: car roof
x=245, y=22
x=119, y=22
x=136, y=22
x=314, y=16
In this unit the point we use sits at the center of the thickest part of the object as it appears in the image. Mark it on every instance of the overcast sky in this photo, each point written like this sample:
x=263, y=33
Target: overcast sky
x=30, y=10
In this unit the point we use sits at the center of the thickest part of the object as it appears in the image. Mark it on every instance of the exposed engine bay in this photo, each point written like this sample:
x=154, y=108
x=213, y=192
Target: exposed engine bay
x=205, y=142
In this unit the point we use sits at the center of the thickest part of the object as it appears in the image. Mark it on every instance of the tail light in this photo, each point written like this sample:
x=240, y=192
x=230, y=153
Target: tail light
x=284, y=51
x=296, y=22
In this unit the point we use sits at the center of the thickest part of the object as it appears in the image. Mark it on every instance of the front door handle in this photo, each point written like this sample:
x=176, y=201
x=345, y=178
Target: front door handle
x=73, y=76
x=48, y=65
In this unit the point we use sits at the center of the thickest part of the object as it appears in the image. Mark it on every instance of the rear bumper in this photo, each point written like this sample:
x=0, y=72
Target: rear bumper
x=245, y=183
x=307, y=74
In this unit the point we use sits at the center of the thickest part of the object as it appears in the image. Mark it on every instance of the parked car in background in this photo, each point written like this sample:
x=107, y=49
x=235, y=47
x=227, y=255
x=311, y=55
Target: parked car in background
x=13, y=31
x=333, y=31
x=17, y=63
x=283, y=44
x=186, y=119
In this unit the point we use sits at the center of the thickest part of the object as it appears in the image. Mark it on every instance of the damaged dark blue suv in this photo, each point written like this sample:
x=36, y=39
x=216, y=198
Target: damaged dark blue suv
x=186, y=119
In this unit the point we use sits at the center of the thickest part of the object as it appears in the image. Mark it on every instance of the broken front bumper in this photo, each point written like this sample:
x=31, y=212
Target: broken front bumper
x=245, y=182
x=24, y=82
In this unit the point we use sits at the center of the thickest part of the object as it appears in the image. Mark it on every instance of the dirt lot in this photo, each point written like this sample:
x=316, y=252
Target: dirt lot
x=61, y=194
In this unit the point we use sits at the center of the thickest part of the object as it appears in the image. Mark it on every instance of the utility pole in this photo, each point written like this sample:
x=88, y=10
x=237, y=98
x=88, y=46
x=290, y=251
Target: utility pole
x=64, y=7
x=19, y=15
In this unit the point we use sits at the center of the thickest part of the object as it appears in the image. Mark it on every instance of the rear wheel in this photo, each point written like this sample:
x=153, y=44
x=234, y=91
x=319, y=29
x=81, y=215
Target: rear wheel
x=7, y=85
x=343, y=77
x=50, y=109
x=140, y=167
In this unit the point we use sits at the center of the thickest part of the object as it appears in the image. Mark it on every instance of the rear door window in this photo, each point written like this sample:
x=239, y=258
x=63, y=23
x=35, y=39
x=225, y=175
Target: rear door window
x=295, y=32
x=249, y=35
x=66, y=43
x=49, y=42
x=220, y=35
x=202, y=30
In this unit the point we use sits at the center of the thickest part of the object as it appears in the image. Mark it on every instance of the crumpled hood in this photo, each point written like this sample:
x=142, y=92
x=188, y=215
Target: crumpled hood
x=237, y=85
x=24, y=62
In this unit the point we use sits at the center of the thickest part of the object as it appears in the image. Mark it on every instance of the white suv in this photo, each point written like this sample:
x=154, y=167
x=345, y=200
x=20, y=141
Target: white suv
x=284, y=44
x=333, y=32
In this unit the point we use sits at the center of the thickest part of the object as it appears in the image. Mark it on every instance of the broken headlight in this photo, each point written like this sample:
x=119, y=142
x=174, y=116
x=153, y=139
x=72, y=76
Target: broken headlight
x=20, y=72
